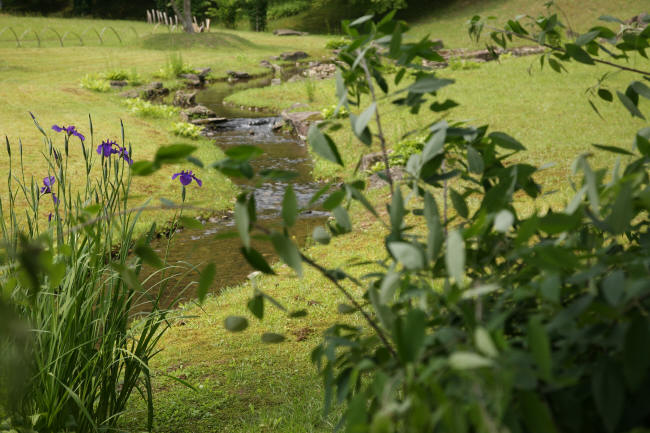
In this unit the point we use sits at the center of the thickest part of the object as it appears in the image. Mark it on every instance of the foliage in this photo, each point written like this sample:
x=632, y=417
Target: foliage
x=226, y=11
x=132, y=76
x=463, y=64
x=256, y=10
x=331, y=112
x=486, y=319
x=174, y=66
x=287, y=9
x=334, y=44
x=310, y=89
x=144, y=108
x=184, y=129
x=70, y=279
x=95, y=83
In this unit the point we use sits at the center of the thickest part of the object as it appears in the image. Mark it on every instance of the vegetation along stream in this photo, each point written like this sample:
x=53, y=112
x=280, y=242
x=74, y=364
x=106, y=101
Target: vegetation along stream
x=281, y=151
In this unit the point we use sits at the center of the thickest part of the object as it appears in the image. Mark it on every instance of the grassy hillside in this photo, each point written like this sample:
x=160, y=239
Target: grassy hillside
x=46, y=81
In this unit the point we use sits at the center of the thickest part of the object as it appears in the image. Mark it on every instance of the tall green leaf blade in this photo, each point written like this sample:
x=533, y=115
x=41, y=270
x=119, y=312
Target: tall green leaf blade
x=323, y=145
x=289, y=207
x=287, y=251
x=455, y=257
x=206, y=279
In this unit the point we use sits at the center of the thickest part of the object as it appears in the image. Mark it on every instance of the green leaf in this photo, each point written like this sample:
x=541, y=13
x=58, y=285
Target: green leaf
x=540, y=347
x=242, y=221
x=256, y=260
x=127, y=276
x=636, y=352
x=334, y=200
x=321, y=235
x=613, y=149
x=503, y=221
x=236, y=323
x=609, y=394
x=410, y=334
x=256, y=306
x=605, y=95
x=190, y=223
x=629, y=105
x=397, y=211
x=429, y=84
x=272, y=338
x=536, y=414
x=641, y=89
x=484, y=342
x=243, y=152
x=346, y=309
x=585, y=38
x=342, y=219
x=144, y=168
x=206, y=279
x=475, y=160
x=622, y=210
x=287, y=251
x=278, y=175
x=297, y=313
x=578, y=54
x=455, y=257
x=323, y=145
x=459, y=203
x=148, y=255
x=468, y=361
x=363, y=119
x=504, y=140
x=610, y=19
x=407, y=254
x=434, y=145
x=289, y=207
x=361, y=20
x=172, y=153
x=435, y=235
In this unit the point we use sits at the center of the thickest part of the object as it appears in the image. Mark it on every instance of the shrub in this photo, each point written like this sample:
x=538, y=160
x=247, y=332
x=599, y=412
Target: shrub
x=463, y=64
x=226, y=11
x=132, y=76
x=330, y=112
x=144, y=108
x=287, y=9
x=68, y=271
x=184, y=129
x=334, y=44
x=480, y=317
x=95, y=83
x=174, y=67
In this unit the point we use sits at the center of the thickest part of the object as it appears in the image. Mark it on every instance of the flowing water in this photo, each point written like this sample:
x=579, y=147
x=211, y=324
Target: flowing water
x=281, y=151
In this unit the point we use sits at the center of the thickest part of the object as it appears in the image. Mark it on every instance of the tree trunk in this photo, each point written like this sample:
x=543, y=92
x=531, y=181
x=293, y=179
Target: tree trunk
x=186, y=16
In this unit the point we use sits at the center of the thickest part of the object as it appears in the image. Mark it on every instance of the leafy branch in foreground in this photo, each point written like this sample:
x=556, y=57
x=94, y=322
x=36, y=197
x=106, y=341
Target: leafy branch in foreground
x=486, y=319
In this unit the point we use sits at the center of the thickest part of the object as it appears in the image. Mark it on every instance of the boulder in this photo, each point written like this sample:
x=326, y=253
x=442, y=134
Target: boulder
x=302, y=120
x=194, y=80
x=266, y=64
x=152, y=91
x=184, y=99
x=208, y=121
x=375, y=181
x=118, y=84
x=196, y=112
x=203, y=72
x=293, y=56
x=239, y=75
x=276, y=82
x=288, y=32
x=322, y=70
x=295, y=78
x=367, y=161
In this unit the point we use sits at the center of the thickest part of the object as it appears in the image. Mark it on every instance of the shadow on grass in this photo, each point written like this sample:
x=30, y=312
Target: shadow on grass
x=176, y=41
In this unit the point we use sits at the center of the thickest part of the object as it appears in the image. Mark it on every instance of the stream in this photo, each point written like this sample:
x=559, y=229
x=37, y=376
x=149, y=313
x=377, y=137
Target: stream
x=281, y=151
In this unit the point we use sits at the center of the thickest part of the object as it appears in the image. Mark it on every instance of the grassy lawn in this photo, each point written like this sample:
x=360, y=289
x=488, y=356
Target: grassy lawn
x=548, y=112
x=46, y=81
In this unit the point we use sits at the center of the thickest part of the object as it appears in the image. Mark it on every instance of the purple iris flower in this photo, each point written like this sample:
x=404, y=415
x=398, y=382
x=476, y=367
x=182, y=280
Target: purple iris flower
x=185, y=177
x=124, y=154
x=48, y=183
x=49, y=217
x=106, y=148
x=70, y=130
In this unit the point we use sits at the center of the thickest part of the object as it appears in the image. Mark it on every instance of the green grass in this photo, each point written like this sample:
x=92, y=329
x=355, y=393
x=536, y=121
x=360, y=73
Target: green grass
x=46, y=81
x=548, y=112
x=449, y=22
x=243, y=384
